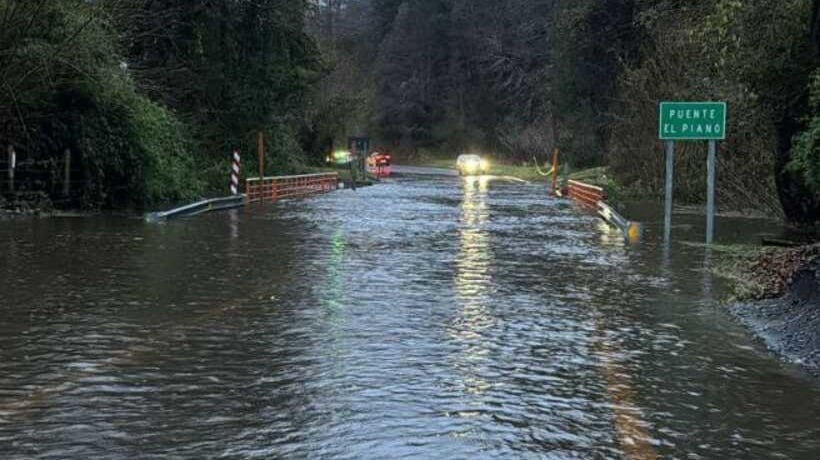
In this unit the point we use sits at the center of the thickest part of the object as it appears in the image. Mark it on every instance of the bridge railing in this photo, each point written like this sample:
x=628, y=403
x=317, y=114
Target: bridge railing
x=593, y=198
x=585, y=194
x=275, y=188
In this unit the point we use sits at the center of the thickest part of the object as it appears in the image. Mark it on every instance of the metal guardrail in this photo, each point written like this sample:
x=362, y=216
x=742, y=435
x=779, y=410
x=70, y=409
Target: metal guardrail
x=632, y=230
x=275, y=188
x=200, y=207
x=592, y=198
x=258, y=190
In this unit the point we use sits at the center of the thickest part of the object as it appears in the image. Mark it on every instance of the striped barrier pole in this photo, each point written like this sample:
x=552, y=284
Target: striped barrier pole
x=235, y=173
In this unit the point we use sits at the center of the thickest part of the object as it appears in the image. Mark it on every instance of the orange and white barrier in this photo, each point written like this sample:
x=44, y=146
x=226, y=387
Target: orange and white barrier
x=235, y=173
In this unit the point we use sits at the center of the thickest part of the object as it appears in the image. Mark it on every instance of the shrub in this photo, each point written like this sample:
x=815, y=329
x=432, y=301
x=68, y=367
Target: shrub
x=135, y=153
x=806, y=159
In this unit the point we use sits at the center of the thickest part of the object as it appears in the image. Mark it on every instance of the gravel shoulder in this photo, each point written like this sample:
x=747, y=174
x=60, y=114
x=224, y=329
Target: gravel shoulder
x=778, y=300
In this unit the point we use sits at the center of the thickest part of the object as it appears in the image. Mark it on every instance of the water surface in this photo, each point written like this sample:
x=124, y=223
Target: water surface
x=426, y=317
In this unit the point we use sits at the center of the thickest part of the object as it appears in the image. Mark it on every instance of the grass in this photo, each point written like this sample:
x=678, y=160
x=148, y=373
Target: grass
x=734, y=263
x=758, y=272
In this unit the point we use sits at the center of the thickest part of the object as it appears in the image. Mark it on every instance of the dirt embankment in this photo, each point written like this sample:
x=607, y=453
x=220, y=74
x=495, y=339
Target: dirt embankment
x=778, y=299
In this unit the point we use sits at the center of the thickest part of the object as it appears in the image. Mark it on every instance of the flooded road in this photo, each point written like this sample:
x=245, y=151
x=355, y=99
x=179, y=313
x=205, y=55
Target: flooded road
x=426, y=317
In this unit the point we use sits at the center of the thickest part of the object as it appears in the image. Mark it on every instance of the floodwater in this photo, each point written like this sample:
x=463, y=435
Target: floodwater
x=426, y=317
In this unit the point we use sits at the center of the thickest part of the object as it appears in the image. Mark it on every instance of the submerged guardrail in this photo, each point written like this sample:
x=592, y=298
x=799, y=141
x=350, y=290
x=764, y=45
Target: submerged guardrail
x=200, y=207
x=593, y=198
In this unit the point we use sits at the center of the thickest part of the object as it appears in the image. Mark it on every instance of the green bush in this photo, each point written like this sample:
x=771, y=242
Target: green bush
x=753, y=55
x=62, y=76
x=806, y=160
x=284, y=153
x=134, y=151
x=151, y=107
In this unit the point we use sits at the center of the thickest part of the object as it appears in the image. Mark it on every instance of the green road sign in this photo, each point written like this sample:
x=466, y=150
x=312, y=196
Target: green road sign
x=692, y=121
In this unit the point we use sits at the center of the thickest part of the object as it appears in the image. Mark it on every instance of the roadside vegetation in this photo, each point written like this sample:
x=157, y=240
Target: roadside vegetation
x=151, y=96
x=518, y=79
x=758, y=273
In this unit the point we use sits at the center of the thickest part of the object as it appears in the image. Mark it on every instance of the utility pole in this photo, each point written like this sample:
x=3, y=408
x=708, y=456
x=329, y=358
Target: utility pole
x=260, y=151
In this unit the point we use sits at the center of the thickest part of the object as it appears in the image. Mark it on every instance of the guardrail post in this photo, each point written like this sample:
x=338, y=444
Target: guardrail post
x=670, y=177
x=710, y=197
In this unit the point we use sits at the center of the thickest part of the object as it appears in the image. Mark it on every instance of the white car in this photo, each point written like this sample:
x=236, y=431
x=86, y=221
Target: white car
x=472, y=165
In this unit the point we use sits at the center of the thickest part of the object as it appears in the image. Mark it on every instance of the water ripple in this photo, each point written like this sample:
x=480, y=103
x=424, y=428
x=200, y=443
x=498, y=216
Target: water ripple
x=422, y=318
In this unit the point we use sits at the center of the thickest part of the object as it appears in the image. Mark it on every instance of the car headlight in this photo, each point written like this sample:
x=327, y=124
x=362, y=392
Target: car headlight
x=485, y=165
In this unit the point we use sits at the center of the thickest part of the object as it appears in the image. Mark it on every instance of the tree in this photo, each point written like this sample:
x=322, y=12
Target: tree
x=341, y=104
x=768, y=49
x=412, y=58
x=229, y=68
x=63, y=86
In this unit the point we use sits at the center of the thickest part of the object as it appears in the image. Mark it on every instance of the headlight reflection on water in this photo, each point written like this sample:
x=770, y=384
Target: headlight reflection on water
x=473, y=281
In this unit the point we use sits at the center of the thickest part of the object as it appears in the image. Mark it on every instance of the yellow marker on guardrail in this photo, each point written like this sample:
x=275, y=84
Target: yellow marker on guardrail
x=631, y=230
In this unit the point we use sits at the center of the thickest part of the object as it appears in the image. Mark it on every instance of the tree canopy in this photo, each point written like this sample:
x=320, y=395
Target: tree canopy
x=519, y=78
x=153, y=94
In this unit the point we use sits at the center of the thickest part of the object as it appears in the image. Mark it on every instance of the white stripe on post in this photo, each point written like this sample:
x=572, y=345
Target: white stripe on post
x=235, y=174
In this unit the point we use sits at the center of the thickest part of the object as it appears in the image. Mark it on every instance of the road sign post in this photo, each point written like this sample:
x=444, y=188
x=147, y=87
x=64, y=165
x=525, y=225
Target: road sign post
x=689, y=121
x=710, y=196
x=670, y=176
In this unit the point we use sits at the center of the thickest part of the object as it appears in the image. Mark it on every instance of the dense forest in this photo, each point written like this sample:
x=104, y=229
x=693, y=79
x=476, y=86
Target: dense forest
x=153, y=94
